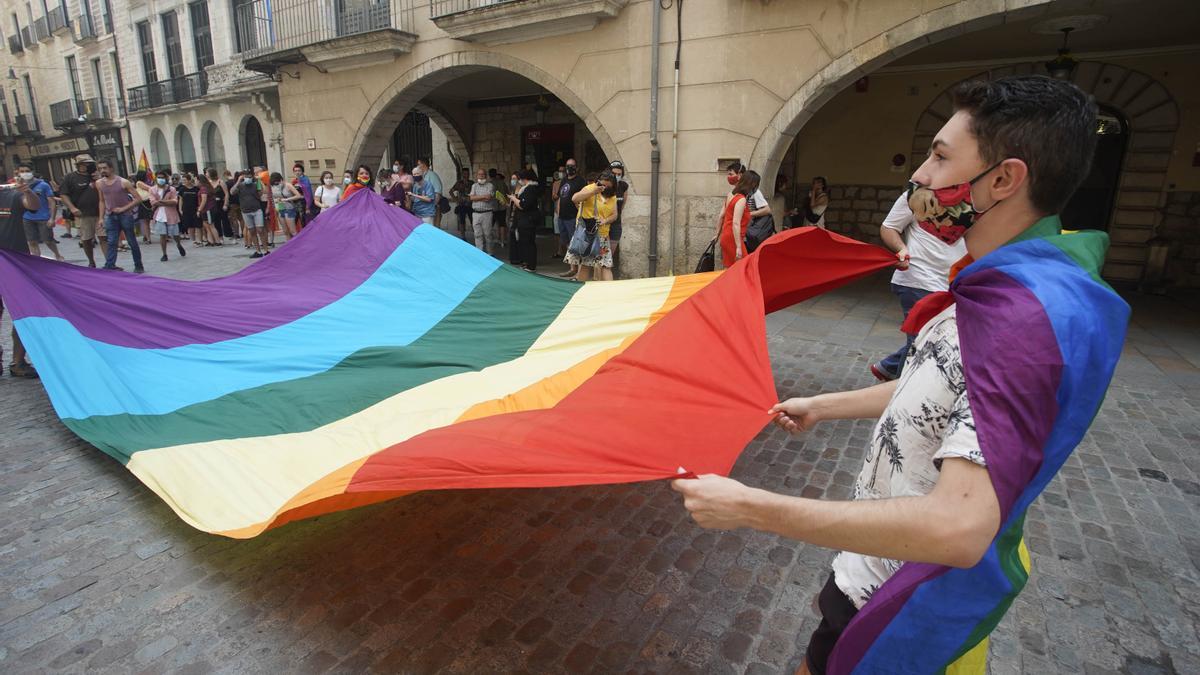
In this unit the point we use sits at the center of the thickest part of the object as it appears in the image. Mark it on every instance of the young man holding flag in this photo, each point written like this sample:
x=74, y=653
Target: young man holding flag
x=1005, y=375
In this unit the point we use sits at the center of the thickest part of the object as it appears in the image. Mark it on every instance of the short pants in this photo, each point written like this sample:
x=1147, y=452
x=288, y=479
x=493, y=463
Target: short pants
x=87, y=227
x=253, y=219
x=38, y=231
x=836, y=613
x=163, y=228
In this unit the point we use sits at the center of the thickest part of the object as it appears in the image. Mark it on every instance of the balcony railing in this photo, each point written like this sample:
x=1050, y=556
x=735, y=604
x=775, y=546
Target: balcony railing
x=70, y=112
x=265, y=26
x=28, y=36
x=8, y=132
x=41, y=29
x=440, y=8
x=14, y=44
x=27, y=125
x=56, y=20
x=85, y=28
x=168, y=92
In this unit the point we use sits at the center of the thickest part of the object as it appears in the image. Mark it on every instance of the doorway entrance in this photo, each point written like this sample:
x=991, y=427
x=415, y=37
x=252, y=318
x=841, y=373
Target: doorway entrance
x=1091, y=207
x=255, y=144
x=412, y=138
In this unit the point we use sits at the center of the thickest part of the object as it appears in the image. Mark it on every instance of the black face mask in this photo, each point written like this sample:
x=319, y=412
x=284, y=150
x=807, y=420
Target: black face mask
x=609, y=191
x=571, y=170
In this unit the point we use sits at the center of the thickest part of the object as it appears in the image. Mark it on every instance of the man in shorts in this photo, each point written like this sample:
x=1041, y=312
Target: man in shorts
x=78, y=193
x=250, y=195
x=36, y=222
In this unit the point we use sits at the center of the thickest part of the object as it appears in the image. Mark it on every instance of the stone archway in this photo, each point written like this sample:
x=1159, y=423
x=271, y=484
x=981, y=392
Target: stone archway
x=160, y=155
x=1153, y=118
x=407, y=91
x=454, y=136
x=213, y=146
x=957, y=18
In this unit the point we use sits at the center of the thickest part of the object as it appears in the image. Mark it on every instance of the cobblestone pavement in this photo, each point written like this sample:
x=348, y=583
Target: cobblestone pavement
x=99, y=575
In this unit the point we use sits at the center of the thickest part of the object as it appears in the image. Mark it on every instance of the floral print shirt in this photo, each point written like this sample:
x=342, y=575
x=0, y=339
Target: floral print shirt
x=927, y=420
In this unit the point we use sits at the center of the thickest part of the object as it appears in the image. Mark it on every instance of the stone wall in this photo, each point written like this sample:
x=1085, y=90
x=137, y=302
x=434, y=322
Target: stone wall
x=496, y=134
x=1181, y=225
x=857, y=211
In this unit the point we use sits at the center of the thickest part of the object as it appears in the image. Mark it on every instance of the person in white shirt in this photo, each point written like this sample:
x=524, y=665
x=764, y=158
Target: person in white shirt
x=327, y=194
x=923, y=268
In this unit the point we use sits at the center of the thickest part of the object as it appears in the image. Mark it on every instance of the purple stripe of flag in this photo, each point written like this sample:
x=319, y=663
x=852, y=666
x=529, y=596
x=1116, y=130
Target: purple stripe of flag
x=307, y=273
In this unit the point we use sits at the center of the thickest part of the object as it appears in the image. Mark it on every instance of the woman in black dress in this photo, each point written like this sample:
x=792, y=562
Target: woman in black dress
x=527, y=215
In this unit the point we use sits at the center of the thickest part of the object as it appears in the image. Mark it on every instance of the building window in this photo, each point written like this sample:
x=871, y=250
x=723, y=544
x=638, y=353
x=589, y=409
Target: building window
x=32, y=102
x=201, y=34
x=119, y=85
x=98, y=80
x=245, y=25
x=146, y=43
x=73, y=74
x=106, y=15
x=170, y=26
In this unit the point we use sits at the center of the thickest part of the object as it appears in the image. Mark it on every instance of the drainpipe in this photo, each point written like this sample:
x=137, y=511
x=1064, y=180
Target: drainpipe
x=655, y=154
x=675, y=124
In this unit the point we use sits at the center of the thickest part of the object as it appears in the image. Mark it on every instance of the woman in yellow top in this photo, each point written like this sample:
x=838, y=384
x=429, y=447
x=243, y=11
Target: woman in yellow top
x=597, y=212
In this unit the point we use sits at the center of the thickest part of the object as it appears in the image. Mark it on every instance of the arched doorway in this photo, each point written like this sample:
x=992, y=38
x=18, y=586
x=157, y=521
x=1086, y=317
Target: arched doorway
x=409, y=90
x=254, y=143
x=185, y=150
x=160, y=156
x=213, y=146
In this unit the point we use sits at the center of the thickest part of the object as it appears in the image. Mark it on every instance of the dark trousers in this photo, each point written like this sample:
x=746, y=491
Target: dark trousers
x=114, y=225
x=527, y=245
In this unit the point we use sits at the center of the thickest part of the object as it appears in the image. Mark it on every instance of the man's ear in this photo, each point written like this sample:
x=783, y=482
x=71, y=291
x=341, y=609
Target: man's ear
x=1010, y=178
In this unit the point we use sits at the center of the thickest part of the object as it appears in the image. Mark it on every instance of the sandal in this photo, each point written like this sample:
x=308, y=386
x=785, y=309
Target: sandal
x=25, y=370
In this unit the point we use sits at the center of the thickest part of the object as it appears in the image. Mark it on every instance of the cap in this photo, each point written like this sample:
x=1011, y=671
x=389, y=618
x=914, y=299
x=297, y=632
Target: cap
x=616, y=164
x=83, y=158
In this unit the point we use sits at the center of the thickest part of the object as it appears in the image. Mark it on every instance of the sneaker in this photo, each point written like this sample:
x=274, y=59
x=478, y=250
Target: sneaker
x=182, y=251
x=880, y=373
x=91, y=264
x=163, y=259
x=114, y=268
x=266, y=253
x=256, y=254
x=25, y=370
x=139, y=269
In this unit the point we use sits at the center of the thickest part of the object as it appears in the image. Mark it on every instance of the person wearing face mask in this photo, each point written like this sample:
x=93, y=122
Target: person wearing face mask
x=483, y=205
x=164, y=200
x=459, y=193
x=527, y=207
x=328, y=193
x=923, y=260
x=501, y=212
x=618, y=169
x=363, y=180
x=233, y=210
x=250, y=195
x=1008, y=369
x=565, y=210
x=393, y=192
x=119, y=207
x=286, y=200
x=435, y=181
x=78, y=194
x=818, y=202
x=37, y=221
x=215, y=216
x=423, y=196
x=735, y=218
x=597, y=205
x=304, y=186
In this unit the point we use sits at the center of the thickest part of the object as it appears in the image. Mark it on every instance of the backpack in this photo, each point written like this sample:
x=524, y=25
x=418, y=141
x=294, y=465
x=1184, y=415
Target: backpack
x=444, y=205
x=760, y=229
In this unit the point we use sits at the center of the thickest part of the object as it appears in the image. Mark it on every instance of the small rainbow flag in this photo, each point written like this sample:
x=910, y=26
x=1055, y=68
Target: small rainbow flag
x=144, y=165
x=372, y=356
x=1040, y=335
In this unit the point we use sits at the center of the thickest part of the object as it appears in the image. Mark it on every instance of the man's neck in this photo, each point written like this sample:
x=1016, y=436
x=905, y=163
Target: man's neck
x=998, y=226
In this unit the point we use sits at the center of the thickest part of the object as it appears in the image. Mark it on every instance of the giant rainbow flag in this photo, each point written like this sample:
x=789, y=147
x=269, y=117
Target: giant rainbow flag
x=372, y=356
x=1040, y=335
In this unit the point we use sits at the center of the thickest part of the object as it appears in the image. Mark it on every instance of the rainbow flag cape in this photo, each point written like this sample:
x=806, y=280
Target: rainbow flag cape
x=1040, y=335
x=372, y=356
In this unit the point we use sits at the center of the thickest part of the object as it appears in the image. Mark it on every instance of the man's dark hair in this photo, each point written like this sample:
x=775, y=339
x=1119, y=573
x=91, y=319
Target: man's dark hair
x=424, y=159
x=25, y=166
x=1048, y=124
x=105, y=162
x=527, y=174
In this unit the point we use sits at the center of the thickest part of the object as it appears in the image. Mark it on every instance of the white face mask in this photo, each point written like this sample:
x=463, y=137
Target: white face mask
x=481, y=181
x=396, y=168
x=26, y=176
x=329, y=181
x=346, y=181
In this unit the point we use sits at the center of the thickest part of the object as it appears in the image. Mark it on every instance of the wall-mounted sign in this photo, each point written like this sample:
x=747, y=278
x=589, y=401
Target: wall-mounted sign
x=312, y=144
x=58, y=147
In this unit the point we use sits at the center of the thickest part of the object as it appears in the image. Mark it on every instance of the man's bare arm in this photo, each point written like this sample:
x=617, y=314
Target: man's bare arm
x=953, y=525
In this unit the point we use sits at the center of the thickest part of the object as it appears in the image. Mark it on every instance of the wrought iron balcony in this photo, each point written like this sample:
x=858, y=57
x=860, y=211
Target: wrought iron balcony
x=27, y=125
x=168, y=92
x=85, y=28
x=498, y=22
x=14, y=44
x=8, y=132
x=69, y=113
x=269, y=34
x=28, y=36
x=56, y=20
